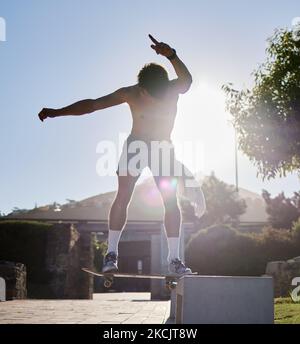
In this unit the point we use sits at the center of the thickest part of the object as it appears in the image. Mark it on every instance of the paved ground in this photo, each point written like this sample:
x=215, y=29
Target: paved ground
x=108, y=308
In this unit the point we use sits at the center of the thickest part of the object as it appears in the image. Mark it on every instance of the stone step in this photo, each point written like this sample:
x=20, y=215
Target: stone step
x=223, y=300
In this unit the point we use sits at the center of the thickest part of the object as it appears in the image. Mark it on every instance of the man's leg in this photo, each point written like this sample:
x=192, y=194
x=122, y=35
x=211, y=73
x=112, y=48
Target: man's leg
x=172, y=216
x=172, y=221
x=117, y=219
x=118, y=211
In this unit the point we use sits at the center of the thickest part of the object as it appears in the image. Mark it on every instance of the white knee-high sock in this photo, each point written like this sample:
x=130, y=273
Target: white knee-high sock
x=173, y=243
x=113, y=241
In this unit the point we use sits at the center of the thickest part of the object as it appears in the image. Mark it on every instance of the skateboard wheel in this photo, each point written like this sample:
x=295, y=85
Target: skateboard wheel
x=107, y=284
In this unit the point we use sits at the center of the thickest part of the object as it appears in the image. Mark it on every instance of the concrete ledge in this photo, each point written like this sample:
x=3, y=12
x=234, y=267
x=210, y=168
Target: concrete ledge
x=224, y=300
x=2, y=289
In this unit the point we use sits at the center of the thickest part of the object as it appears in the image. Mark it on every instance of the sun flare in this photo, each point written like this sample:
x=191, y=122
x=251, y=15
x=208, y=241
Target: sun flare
x=203, y=121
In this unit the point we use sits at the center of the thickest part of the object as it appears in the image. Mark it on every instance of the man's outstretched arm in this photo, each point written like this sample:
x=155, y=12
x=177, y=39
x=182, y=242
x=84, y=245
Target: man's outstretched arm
x=87, y=105
x=184, y=80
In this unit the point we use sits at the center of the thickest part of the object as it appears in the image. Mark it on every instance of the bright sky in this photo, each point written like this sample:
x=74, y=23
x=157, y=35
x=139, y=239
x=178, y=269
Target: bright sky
x=60, y=51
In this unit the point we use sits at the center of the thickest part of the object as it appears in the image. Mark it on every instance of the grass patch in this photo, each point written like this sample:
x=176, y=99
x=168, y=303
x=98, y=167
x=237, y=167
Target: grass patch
x=287, y=311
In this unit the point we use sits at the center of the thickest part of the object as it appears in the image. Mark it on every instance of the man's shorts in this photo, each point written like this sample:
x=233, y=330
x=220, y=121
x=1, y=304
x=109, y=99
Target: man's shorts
x=137, y=154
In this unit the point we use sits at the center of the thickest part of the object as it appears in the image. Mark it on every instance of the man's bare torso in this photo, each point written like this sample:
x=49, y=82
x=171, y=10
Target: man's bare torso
x=153, y=118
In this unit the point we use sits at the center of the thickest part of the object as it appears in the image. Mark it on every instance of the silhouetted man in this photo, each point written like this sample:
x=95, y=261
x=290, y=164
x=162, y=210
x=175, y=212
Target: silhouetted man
x=153, y=104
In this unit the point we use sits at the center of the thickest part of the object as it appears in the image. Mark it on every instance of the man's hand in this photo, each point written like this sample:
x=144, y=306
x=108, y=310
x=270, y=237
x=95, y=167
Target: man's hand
x=184, y=80
x=46, y=112
x=161, y=48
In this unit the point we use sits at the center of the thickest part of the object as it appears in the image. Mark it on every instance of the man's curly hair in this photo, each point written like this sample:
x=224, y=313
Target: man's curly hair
x=154, y=78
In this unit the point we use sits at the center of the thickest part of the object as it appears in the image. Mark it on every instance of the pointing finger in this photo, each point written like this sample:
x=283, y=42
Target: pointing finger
x=153, y=39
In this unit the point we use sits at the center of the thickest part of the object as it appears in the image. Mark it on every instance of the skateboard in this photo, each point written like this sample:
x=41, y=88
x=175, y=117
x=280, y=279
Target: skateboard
x=170, y=279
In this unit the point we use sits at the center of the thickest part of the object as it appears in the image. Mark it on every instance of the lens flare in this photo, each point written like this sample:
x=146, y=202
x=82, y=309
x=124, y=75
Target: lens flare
x=164, y=184
x=174, y=182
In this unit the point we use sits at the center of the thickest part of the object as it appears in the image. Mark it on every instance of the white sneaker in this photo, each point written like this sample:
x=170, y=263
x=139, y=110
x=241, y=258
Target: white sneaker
x=177, y=267
x=110, y=263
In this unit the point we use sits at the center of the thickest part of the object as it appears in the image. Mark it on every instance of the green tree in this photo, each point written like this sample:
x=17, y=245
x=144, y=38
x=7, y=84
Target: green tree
x=282, y=211
x=223, y=204
x=267, y=117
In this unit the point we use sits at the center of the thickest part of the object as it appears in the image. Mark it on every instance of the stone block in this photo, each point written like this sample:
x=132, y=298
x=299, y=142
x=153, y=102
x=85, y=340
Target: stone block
x=224, y=300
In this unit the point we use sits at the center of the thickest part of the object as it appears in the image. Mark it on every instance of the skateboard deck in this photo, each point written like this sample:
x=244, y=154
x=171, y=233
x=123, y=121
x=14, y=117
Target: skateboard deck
x=171, y=279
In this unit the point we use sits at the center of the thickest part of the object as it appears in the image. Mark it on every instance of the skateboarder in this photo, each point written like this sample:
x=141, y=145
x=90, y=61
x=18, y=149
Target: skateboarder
x=153, y=104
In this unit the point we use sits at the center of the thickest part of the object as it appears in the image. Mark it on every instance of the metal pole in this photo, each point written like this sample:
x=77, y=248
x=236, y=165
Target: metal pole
x=236, y=161
x=236, y=171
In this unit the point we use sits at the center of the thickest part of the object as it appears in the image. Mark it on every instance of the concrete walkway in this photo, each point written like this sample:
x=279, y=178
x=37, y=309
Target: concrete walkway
x=108, y=308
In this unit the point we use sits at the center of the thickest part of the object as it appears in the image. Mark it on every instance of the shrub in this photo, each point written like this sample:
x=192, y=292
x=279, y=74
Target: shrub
x=222, y=250
x=25, y=242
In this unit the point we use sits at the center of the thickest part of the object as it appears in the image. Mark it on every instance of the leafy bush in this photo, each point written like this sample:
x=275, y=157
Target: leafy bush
x=222, y=250
x=25, y=242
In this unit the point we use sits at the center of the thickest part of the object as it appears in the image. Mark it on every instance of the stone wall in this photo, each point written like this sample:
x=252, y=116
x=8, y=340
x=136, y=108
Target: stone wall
x=14, y=275
x=67, y=252
x=283, y=273
x=53, y=255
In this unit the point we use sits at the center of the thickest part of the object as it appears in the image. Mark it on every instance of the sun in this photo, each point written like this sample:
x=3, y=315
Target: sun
x=203, y=122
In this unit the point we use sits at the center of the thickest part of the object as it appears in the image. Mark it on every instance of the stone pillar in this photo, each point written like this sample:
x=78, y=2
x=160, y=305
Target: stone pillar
x=86, y=259
x=2, y=289
x=14, y=275
x=173, y=304
x=68, y=251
